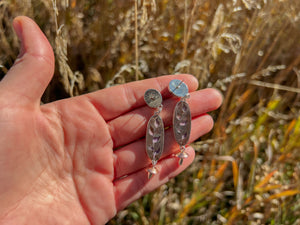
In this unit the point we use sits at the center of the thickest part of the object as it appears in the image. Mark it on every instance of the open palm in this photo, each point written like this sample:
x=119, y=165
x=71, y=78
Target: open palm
x=81, y=160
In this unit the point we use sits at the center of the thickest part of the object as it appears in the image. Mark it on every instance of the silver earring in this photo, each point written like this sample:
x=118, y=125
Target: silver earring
x=181, y=116
x=155, y=129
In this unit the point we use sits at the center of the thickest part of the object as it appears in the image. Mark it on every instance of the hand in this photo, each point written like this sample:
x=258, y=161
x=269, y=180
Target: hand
x=81, y=160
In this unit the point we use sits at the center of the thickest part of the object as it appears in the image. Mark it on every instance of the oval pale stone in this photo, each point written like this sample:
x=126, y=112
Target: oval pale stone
x=182, y=123
x=155, y=138
x=178, y=88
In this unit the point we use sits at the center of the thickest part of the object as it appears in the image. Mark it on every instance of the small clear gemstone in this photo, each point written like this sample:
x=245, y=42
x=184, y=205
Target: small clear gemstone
x=182, y=155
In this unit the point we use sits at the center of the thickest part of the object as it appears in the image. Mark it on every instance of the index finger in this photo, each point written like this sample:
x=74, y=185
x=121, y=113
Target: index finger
x=115, y=101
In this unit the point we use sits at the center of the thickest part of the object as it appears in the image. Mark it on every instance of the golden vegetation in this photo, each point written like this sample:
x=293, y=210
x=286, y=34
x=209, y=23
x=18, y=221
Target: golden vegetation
x=247, y=171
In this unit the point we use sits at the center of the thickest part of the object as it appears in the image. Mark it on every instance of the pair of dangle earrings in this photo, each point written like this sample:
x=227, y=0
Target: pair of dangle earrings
x=155, y=127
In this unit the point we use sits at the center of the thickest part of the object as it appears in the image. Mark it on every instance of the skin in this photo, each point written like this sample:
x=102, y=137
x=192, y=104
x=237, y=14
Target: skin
x=83, y=159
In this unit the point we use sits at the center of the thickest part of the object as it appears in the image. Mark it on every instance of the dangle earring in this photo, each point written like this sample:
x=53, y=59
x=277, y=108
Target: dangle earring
x=181, y=116
x=155, y=129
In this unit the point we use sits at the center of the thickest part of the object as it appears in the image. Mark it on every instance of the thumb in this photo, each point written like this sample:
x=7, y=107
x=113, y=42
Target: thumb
x=32, y=71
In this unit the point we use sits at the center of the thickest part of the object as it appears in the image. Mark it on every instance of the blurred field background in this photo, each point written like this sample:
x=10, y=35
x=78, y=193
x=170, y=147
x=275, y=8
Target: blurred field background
x=247, y=170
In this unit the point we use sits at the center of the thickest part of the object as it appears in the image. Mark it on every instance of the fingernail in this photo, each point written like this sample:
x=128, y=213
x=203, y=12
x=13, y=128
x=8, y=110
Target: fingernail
x=17, y=24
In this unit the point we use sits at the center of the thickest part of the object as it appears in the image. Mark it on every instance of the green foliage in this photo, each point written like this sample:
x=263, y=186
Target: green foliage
x=247, y=171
